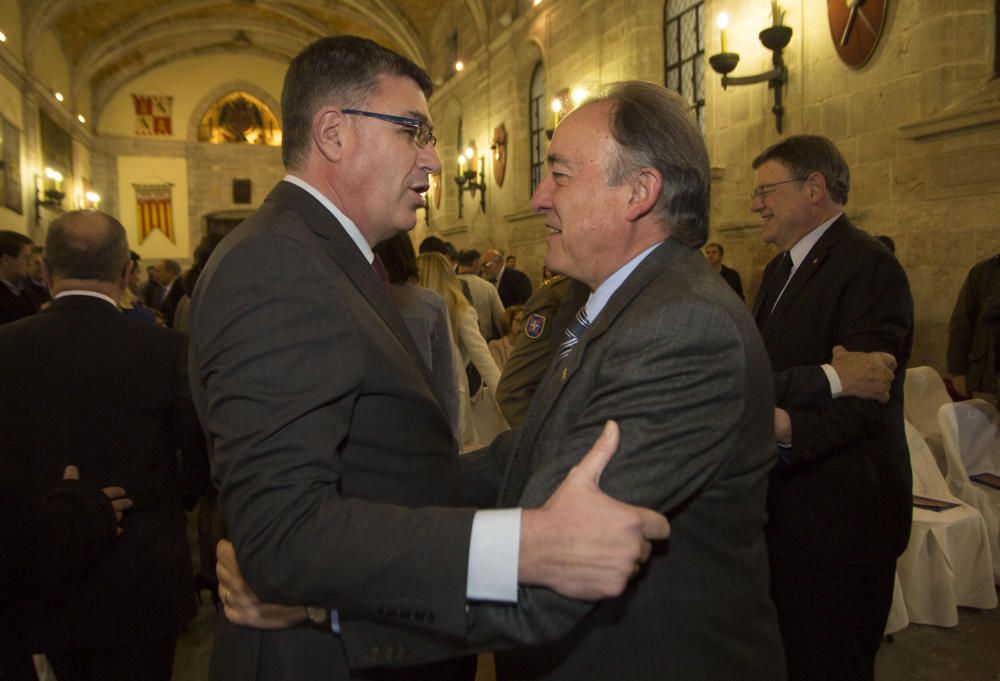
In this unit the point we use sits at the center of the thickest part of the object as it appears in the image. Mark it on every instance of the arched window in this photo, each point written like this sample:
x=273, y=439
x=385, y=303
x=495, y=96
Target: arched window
x=684, y=52
x=239, y=118
x=536, y=124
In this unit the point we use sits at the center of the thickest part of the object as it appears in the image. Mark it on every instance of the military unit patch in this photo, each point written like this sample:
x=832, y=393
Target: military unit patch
x=534, y=325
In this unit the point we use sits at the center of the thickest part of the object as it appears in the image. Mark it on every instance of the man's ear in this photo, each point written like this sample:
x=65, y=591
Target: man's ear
x=647, y=185
x=817, y=187
x=328, y=133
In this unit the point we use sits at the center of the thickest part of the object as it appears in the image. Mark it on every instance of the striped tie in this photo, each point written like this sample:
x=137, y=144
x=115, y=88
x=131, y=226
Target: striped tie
x=573, y=334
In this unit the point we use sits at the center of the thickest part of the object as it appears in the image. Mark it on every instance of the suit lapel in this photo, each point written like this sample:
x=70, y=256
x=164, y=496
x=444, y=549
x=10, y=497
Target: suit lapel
x=765, y=286
x=805, y=271
x=559, y=374
x=348, y=257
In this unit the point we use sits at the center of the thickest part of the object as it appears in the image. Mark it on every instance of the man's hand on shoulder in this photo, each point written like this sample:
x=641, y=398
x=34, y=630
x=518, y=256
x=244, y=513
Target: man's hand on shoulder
x=584, y=544
x=867, y=375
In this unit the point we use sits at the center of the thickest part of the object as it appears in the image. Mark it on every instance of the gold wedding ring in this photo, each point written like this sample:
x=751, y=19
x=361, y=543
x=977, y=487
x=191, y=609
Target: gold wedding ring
x=226, y=598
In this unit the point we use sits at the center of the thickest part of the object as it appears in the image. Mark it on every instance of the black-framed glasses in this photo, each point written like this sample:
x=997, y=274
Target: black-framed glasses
x=765, y=189
x=422, y=132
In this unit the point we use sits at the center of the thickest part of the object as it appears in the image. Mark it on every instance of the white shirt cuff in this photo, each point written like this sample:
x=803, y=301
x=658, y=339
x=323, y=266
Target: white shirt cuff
x=493, y=556
x=836, y=388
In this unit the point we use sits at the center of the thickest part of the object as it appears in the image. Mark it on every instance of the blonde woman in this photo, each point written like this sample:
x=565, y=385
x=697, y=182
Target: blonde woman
x=436, y=274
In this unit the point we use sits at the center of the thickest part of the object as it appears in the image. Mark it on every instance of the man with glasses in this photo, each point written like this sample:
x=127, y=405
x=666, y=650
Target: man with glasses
x=338, y=472
x=15, y=259
x=839, y=498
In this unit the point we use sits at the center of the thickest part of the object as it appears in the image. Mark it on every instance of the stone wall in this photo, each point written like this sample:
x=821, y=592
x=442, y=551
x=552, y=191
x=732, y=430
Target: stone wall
x=919, y=125
x=211, y=170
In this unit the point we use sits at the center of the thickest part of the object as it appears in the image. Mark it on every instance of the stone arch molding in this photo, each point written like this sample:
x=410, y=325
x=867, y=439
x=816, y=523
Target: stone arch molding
x=224, y=89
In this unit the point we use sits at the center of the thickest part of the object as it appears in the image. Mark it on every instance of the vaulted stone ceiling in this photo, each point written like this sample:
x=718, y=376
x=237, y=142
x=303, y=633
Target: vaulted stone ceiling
x=108, y=42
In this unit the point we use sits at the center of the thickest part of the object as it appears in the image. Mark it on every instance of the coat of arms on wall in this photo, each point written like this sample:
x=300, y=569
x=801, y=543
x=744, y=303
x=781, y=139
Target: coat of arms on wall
x=154, y=210
x=499, y=153
x=152, y=114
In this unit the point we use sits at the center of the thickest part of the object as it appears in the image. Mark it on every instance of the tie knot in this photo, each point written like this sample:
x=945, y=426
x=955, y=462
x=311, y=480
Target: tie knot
x=785, y=266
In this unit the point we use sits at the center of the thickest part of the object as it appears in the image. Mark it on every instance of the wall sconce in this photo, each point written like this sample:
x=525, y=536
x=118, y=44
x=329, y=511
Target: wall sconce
x=471, y=166
x=774, y=38
x=51, y=189
x=563, y=105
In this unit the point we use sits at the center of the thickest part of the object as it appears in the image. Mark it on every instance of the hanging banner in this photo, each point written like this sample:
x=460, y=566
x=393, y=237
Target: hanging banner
x=152, y=114
x=154, y=210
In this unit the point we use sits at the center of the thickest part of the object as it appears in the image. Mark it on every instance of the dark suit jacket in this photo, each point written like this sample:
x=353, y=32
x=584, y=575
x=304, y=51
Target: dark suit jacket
x=14, y=307
x=84, y=385
x=38, y=291
x=845, y=493
x=674, y=358
x=169, y=304
x=330, y=445
x=514, y=287
x=732, y=278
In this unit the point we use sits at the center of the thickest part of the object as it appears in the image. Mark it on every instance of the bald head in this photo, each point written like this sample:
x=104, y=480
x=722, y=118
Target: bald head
x=491, y=262
x=86, y=245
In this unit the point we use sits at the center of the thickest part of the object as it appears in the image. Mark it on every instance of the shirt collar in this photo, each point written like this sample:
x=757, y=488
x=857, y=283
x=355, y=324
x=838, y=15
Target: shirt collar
x=600, y=297
x=346, y=222
x=800, y=250
x=80, y=292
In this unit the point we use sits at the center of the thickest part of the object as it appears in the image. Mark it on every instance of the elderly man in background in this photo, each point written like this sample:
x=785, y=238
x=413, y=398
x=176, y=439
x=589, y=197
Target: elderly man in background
x=839, y=503
x=85, y=385
x=514, y=286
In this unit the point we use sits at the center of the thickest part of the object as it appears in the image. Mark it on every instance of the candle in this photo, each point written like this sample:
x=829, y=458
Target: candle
x=722, y=21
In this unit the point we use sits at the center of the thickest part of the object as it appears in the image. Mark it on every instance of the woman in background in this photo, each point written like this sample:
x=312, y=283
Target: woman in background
x=130, y=303
x=513, y=318
x=426, y=317
x=435, y=273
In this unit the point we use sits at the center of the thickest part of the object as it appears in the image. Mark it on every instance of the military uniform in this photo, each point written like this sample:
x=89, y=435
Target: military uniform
x=546, y=315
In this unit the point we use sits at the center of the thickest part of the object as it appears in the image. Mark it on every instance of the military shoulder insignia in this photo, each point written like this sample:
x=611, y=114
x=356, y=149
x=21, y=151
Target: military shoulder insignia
x=534, y=325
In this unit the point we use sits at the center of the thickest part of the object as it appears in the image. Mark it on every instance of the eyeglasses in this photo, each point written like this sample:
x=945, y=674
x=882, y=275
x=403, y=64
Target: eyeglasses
x=422, y=134
x=765, y=189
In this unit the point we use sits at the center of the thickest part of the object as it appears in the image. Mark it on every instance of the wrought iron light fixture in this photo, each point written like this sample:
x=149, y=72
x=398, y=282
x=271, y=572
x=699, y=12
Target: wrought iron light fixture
x=774, y=38
x=49, y=187
x=471, y=176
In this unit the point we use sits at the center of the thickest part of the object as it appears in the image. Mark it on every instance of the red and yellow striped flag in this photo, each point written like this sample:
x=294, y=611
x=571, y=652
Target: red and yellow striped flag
x=154, y=210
